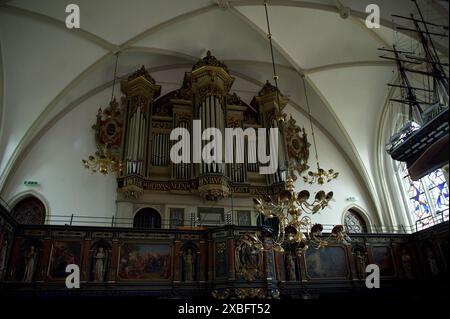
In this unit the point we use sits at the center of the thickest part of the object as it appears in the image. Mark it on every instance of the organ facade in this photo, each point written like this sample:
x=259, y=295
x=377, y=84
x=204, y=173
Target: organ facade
x=138, y=134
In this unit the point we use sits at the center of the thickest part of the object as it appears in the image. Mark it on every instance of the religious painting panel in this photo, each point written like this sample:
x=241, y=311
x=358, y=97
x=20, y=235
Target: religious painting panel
x=327, y=263
x=382, y=256
x=145, y=262
x=63, y=253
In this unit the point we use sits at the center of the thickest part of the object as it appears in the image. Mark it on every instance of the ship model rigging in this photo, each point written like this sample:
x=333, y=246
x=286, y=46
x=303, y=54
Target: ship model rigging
x=422, y=142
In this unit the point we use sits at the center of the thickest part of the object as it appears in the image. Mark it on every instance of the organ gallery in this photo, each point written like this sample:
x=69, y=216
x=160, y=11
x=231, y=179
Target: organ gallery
x=210, y=152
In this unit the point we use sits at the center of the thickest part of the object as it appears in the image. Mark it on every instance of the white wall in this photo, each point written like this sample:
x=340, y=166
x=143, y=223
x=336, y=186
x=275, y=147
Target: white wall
x=345, y=186
x=55, y=162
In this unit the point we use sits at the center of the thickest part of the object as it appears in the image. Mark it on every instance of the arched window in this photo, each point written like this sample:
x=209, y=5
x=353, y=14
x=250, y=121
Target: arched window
x=428, y=197
x=354, y=223
x=30, y=211
x=147, y=218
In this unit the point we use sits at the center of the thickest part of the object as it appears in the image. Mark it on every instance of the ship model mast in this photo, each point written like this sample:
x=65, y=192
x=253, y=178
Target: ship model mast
x=423, y=141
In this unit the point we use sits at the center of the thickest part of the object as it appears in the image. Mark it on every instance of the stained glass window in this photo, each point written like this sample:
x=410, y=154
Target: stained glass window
x=428, y=197
x=438, y=189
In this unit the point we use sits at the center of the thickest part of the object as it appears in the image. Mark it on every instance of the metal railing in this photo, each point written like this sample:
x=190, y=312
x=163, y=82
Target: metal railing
x=96, y=221
x=75, y=220
x=78, y=220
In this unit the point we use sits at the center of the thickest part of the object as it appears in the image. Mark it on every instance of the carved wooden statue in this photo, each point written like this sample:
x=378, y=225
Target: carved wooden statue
x=30, y=264
x=360, y=259
x=290, y=268
x=189, y=265
x=407, y=264
x=100, y=265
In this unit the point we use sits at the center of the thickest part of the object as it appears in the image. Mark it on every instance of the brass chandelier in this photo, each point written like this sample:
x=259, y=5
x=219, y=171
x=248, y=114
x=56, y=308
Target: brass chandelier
x=107, y=157
x=103, y=162
x=291, y=209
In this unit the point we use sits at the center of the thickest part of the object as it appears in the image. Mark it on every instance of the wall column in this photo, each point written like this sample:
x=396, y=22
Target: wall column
x=85, y=260
x=114, y=260
x=177, y=265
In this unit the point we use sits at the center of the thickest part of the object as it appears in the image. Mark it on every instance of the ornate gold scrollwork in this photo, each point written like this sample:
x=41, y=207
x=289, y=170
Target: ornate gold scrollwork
x=250, y=293
x=297, y=147
x=210, y=77
x=221, y=294
x=213, y=187
x=233, y=122
x=132, y=192
x=183, y=117
x=249, y=257
x=108, y=138
x=133, y=188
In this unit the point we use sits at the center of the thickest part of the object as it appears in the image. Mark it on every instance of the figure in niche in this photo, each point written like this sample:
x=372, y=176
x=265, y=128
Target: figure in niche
x=290, y=268
x=361, y=263
x=3, y=248
x=189, y=265
x=30, y=264
x=407, y=264
x=250, y=255
x=100, y=264
x=432, y=263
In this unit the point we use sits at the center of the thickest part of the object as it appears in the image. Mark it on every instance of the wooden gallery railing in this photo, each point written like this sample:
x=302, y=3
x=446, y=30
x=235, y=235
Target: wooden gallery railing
x=201, y=261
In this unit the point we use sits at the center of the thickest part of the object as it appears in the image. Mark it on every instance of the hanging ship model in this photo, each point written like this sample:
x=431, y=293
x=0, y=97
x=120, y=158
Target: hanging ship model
x=422, y=142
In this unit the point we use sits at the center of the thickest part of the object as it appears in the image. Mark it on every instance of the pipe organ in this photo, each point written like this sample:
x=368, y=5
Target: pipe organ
x=148, y=120
x=140, y=91
x=268, y=100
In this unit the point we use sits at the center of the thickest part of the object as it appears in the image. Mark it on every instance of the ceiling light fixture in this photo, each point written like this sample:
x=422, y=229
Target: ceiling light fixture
x=295, y=230
x=107, y=158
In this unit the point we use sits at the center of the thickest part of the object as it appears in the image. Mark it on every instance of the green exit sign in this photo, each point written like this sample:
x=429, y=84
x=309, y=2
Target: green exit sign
x=31, y=183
